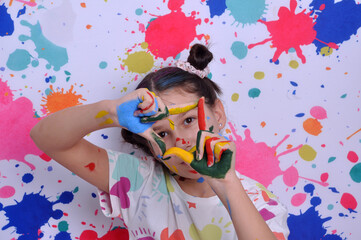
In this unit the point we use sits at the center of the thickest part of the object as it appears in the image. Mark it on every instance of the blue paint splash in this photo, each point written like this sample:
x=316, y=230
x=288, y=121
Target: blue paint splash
x=27, y=178
x=216, y=7
x=337, y=22
x=32, y=212
x=55, y=56
x=309, y=225
x=6, y=23
x=21, y=12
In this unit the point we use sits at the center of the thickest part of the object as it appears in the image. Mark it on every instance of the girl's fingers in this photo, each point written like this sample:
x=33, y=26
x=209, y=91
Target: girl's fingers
x=210, y=143
x=219, y=148
x=161, y=112
x=148, y=105
x=186, y=156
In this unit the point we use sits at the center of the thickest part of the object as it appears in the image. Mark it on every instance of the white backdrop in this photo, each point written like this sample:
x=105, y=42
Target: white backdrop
x=293, y=102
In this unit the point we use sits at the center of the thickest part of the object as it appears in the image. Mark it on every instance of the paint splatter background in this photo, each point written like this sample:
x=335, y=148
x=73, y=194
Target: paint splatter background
x=290, y=71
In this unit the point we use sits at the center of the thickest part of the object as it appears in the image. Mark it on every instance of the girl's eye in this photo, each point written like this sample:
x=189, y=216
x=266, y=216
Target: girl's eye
x=189, y=120
x=163, y=134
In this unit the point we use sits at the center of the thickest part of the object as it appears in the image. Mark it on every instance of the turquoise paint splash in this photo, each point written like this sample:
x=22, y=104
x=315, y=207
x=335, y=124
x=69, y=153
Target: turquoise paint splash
x=55, y=56
x=254, y=92
x=239, y=49
x=246, y=11
x=18, y=60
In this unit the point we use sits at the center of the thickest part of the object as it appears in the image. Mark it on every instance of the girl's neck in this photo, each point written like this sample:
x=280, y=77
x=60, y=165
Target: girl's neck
x=194, y=187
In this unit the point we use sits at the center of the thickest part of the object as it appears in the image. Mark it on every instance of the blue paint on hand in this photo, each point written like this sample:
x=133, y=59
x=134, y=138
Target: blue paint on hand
x=126, y=118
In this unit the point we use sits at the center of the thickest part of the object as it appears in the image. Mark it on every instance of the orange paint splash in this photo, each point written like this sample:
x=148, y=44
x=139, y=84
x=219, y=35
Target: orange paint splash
x=58, y=100
x=83, y=5
x=353, y=134
x=312, y=126
x=88, y=26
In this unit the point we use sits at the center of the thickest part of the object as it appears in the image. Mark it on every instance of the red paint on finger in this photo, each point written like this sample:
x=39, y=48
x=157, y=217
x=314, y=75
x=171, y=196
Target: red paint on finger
x=150, y=105
x=201, y=115
x=210, y=155
x=91, y=166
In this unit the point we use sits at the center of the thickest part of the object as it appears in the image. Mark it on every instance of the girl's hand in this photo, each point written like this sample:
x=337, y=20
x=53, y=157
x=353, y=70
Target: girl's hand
x=214, y=156
x=138, y=111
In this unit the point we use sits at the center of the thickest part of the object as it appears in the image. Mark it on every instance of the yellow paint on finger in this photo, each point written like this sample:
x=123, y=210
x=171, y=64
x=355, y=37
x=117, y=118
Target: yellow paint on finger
x=178, y=110
x=175, y=169
x=218, y=148
x=193, y=149
x=101, y=114
x=179, y=152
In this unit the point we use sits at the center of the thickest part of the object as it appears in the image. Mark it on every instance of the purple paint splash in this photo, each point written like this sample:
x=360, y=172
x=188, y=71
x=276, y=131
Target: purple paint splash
x=32, y=212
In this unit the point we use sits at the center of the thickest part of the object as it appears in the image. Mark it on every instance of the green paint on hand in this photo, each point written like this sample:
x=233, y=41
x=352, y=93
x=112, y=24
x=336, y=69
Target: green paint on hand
x=159, y=116
x=159, y=141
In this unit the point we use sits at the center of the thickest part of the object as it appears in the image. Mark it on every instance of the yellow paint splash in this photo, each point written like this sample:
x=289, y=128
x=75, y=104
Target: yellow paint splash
x=106, y=122
x=179, y=152
x=326, y=51
x=307, y=153
x=58, y=100
x=101, y=114
x=259, y=75
x=139, y=62
x=293, y=64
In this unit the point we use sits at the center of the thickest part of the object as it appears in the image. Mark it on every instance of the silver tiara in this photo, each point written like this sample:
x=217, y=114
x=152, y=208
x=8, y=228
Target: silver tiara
x=186, y=66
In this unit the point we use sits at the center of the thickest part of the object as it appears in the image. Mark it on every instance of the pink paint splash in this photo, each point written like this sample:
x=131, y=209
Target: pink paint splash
x=16, y=121
x=260, y=162
x=30, y=3
x=117, y=233
x=170, y=34
x=291, y=30
x=7, y=191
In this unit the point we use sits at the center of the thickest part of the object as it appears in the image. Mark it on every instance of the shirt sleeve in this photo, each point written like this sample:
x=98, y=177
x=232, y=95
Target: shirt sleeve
x=273, y=212
x=127, y=177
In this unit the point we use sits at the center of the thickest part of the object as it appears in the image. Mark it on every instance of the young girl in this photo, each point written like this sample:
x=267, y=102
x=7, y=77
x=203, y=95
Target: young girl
x=190, y=189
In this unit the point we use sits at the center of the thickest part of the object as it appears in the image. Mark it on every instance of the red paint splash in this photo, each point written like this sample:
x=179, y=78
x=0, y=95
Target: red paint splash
x=118, y=233
x=291, y=30
x=260, y=162
x=348, y=201
x=16, y=121
x=170, y=34
x=91, y=166
x=177, y=235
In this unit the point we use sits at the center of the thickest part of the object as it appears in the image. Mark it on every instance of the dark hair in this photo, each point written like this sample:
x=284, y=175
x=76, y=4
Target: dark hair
x=174, y=77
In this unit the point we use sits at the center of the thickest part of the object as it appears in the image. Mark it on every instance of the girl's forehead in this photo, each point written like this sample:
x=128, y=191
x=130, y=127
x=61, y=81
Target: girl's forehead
x=177, y=96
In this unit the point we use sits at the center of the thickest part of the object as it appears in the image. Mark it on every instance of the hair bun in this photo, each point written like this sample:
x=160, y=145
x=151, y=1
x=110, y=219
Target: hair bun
x=199, y=56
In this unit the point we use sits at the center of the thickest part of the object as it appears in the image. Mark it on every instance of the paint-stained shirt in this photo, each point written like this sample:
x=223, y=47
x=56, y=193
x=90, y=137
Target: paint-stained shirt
x=153, y=206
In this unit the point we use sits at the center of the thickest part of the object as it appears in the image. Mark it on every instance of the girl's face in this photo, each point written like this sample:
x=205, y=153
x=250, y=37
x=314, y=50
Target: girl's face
x=181, y=130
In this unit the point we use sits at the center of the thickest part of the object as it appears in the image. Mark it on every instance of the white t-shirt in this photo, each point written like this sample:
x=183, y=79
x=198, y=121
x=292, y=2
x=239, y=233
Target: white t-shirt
x=153, y=206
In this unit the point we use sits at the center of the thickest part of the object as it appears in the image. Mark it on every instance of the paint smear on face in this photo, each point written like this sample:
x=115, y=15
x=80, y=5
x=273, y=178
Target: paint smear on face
x=58, y=100
x=139, y=62
x=16, y=121
x=291, y=30
x=170, y=34
x=55, y=56
x=312, y=126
